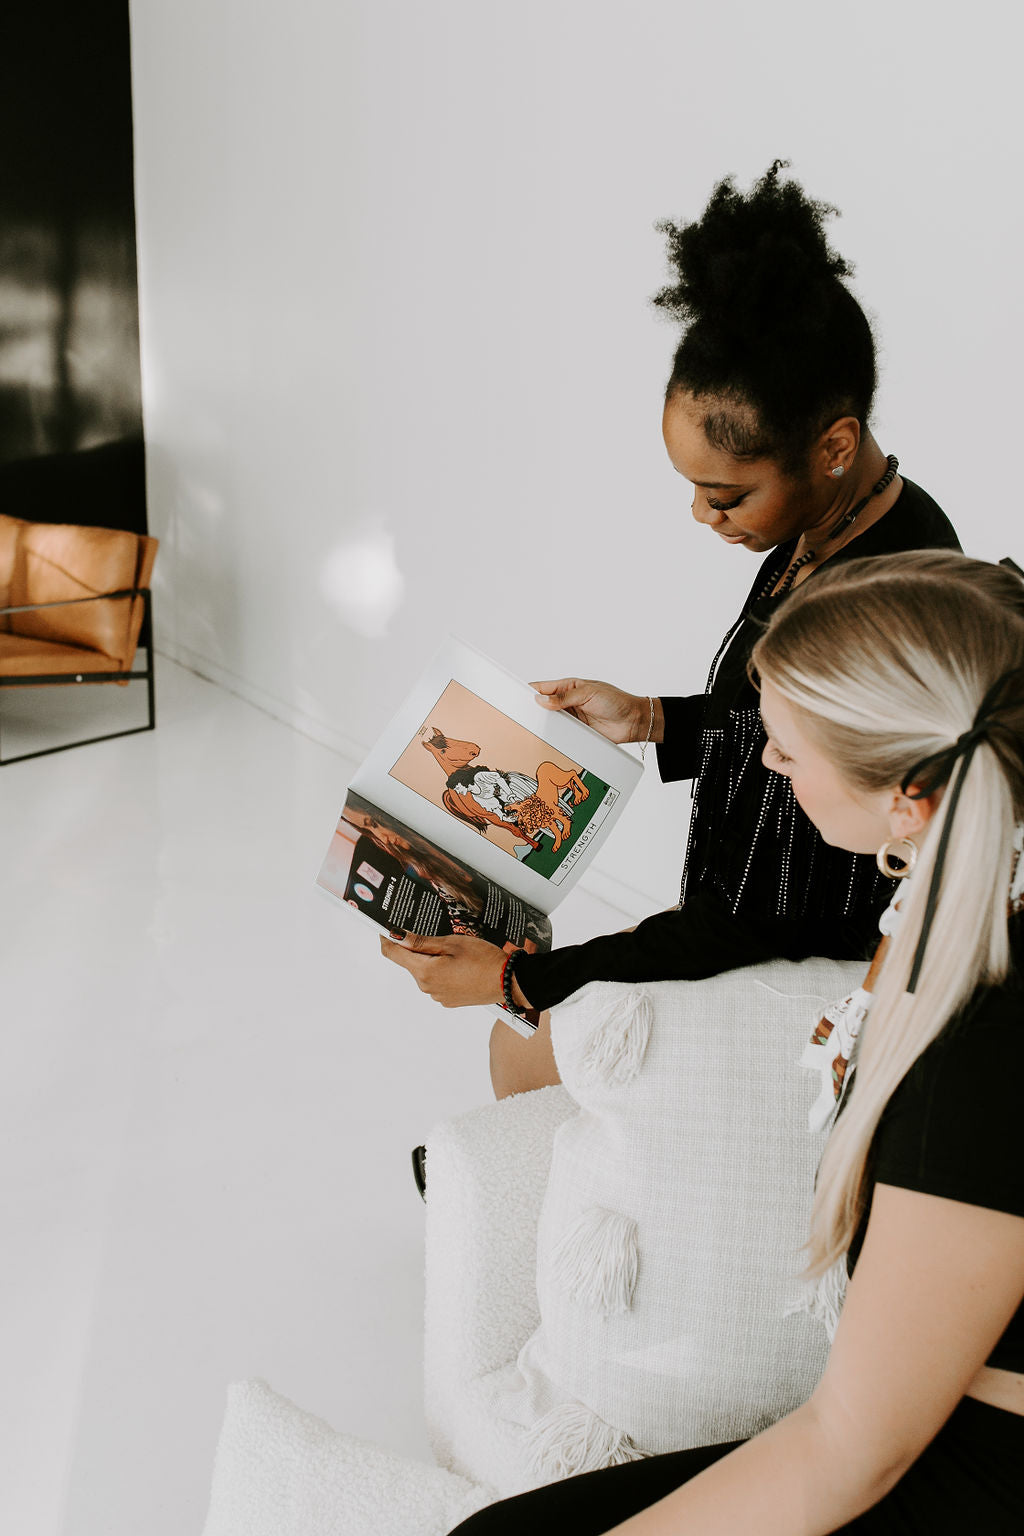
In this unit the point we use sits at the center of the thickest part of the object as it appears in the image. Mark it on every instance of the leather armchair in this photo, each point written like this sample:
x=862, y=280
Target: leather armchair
x=73, y=602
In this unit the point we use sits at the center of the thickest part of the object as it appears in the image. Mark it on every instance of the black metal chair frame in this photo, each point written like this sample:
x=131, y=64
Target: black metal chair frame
x=71, y=678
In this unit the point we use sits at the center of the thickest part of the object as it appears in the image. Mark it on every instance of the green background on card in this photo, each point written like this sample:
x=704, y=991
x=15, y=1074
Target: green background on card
x=544, y=862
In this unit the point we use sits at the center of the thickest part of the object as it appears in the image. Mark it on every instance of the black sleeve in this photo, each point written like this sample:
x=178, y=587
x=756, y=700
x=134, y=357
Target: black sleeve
x=702, y=938
x=679, y=752
x=952, y=1126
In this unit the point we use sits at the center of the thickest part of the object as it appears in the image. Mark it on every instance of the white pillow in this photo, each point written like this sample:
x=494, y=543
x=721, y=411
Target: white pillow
x=670, y=1236
x=282, y=1472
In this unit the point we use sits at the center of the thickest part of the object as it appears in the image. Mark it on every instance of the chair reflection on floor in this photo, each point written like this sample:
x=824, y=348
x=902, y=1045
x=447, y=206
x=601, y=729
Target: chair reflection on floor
x=74, y=606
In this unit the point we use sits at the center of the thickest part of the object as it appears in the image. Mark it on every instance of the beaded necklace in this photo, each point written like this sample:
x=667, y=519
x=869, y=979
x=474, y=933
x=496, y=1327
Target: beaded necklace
x=769, y=586
x=846, y=521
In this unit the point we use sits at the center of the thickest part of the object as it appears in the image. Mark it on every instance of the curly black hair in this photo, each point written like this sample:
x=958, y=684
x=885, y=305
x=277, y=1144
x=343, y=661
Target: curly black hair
x=774, y=343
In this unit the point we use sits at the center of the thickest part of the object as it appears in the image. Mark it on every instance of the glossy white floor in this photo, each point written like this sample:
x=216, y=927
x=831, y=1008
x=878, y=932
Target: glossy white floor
x=209, y=1087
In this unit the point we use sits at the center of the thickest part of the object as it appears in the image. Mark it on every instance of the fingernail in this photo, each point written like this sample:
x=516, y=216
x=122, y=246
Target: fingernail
x=396, y=933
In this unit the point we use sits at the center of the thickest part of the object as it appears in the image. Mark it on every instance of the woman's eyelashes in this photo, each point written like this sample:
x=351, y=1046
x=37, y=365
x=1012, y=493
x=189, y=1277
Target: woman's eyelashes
x=779, y=757
x=724, y=506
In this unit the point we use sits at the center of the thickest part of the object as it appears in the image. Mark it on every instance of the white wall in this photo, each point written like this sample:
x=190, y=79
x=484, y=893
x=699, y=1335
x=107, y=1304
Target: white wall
x=395, y=258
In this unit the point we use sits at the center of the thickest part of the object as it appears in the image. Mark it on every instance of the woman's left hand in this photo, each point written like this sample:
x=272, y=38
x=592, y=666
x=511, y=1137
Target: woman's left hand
x=455, y=971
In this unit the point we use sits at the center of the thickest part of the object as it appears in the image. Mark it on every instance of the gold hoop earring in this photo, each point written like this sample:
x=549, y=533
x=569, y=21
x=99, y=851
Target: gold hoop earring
x=903, y=849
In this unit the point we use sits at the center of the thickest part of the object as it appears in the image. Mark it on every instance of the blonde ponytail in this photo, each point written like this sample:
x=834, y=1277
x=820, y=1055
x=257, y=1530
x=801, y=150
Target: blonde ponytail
x=887, y=662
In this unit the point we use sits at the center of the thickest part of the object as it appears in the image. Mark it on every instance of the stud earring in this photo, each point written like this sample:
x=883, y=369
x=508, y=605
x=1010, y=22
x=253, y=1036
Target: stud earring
x=903, y=850
x=840, y=469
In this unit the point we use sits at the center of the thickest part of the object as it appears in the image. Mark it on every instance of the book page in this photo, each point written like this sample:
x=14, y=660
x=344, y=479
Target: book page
x=523, y=795
x=386, y=871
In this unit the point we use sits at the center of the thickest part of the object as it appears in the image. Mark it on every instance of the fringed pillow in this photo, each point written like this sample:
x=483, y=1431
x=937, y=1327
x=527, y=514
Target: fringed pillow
x=669, y=1241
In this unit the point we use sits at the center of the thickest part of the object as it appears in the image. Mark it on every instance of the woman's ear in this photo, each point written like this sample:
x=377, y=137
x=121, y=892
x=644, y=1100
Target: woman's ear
x=838, y=444
x=909, y=815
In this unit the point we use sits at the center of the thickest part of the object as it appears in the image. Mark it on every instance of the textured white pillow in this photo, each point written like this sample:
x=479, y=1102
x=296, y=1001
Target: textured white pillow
x=669, y=1241
x=282, y=1472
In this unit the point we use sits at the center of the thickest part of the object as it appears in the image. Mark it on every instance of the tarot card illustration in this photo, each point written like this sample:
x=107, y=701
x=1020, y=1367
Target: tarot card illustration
x=492, y=774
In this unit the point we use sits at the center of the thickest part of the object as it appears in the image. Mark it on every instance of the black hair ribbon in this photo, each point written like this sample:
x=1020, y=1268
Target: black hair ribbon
x=934, y=771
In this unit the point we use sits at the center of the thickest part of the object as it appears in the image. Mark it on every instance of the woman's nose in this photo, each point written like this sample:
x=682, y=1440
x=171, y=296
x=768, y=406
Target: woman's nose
x=704, y=514
x=772, y=763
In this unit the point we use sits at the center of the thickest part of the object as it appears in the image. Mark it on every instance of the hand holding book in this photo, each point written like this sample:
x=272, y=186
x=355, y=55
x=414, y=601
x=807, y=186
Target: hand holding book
x=455, y=971
x=617, y=715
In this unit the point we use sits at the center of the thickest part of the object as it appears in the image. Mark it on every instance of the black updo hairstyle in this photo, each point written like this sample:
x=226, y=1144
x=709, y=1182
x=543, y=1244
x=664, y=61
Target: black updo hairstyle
x=774, y=344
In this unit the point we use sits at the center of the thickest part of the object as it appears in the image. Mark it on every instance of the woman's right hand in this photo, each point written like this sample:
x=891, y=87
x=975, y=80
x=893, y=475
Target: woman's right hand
x=617, y=715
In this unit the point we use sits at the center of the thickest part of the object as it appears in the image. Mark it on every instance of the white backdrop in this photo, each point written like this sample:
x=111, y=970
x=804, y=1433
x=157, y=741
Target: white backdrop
x=395, y=263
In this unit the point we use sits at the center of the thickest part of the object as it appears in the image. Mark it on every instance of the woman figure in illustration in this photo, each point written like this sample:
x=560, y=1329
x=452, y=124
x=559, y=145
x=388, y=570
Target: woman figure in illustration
x=483, y=797
x=479, y=809
x=480, y=812
x=767, y=415
x=892, y=697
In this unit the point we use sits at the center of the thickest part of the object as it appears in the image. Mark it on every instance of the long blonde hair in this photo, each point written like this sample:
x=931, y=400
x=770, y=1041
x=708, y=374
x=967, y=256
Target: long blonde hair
x=886, y=662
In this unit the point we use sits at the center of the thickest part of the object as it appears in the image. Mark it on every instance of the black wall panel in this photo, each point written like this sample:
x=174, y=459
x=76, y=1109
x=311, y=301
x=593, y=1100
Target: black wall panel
x=70, y=398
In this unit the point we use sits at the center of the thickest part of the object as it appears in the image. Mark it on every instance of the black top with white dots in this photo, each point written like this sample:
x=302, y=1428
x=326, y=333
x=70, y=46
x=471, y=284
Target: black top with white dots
x=758, y=882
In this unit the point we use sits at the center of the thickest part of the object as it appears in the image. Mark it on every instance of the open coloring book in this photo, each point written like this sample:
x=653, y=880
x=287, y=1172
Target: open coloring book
x=477, y=810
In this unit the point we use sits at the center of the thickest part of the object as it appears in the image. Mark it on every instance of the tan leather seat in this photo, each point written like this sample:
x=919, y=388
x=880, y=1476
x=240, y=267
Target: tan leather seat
x=23, y=656
x=72, y=604
x=61, y=563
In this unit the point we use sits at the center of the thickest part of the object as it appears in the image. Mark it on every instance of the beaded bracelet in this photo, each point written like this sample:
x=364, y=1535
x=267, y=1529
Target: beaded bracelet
x=507, y=973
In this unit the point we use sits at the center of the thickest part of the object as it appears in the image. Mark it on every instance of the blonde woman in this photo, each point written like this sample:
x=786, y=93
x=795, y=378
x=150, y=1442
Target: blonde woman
x=892, y=693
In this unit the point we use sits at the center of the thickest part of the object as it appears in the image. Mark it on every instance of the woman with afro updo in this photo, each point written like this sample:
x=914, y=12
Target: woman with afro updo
x=766, y=415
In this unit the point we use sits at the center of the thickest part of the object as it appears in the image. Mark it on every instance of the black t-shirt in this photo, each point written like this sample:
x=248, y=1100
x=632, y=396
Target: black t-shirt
x=952, y=1127
x=759, y=882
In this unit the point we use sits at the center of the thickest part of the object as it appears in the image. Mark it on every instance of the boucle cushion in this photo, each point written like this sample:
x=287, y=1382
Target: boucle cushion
x=487, y=1174
x=56, y=561
x=282, y=1472
x=670, y=1236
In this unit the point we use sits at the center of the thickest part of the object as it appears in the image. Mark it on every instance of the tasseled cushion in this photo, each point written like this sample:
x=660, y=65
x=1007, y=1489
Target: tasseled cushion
x=670, y=1239
x=616, y=1039
x=570, y=1440
x=823, y=1297
x=596, y=1261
